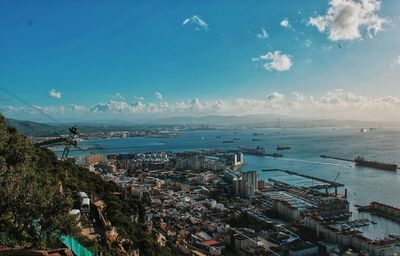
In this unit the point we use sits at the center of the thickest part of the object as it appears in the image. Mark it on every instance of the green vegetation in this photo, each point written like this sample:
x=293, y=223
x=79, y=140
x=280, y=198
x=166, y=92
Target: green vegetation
x=32, y=128
x=34, y=185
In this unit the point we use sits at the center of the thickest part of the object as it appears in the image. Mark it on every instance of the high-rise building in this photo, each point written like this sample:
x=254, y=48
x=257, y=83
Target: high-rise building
x=250, y=183
x=190, y=160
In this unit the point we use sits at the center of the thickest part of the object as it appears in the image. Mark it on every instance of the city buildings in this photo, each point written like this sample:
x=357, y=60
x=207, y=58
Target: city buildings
x=197, y=203
x=191, y=161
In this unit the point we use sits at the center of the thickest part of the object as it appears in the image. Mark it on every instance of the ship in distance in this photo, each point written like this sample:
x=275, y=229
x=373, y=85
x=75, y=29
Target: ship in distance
x=259, y=150
x=360, y=161
x=282, y=147
x=258, y=133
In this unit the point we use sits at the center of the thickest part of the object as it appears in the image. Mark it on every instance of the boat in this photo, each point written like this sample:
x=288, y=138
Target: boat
x=256, y=139
x=236, y=138
x=363, y=130
x=360, y=161
x=395, y=235
x=217, y=137
x=259, y=151
x=227, y=141
x=277, y=155
x=258, y=133
x=282, y=147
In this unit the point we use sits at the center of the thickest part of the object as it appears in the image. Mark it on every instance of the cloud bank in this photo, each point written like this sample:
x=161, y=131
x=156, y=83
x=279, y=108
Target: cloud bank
x=339, y=104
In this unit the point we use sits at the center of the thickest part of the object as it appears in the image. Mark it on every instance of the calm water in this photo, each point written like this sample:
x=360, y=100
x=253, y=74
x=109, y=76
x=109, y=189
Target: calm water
x=364, y=184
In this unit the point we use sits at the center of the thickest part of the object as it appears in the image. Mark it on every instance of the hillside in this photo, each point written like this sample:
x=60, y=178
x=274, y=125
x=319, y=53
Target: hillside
x=31, y=128
x=37, y=191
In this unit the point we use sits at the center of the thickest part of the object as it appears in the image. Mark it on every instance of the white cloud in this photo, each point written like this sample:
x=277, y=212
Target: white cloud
x=275, y=61
x=54, y=94
x=285, y=23
x=118, y=96
x=139, y=98
x=326, y=47
x=197, y=22
x=275, y=96
x=263, y=34
x=337, y=103
x=349, y=19
x=395, y=62
x=78, y=109
x=159, y=96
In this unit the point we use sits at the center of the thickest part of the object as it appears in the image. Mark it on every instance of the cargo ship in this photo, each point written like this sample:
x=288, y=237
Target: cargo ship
x=258, y=151
x=258, y=133
x=282, y=147
x=360, y=161
x=275, y=155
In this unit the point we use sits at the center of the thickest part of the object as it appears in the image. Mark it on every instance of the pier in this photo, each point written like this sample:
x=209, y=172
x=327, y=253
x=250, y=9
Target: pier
x=337, y=158
x=382, y=210
x=328, y=184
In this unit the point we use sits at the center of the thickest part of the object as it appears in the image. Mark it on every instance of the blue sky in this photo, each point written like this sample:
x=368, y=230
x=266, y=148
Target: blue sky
x=87, y=60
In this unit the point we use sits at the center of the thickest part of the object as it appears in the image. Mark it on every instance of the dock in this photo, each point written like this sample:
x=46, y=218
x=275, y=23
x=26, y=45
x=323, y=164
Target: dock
x=328, y=184
x=383, y=210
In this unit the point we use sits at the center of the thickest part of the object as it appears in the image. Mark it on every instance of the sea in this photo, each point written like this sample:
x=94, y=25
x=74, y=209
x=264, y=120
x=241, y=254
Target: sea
x=363, y=184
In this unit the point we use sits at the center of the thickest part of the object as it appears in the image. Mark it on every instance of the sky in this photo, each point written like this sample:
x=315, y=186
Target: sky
x=99, y=61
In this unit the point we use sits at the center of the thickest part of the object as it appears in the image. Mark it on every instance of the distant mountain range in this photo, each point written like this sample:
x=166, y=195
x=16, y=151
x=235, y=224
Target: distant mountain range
x=32, y=128
x=257, y=120
x=211, y=121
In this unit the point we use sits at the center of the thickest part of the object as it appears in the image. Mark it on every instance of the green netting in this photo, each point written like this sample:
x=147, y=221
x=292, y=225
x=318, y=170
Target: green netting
x=75, y=246
x=69, y=241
